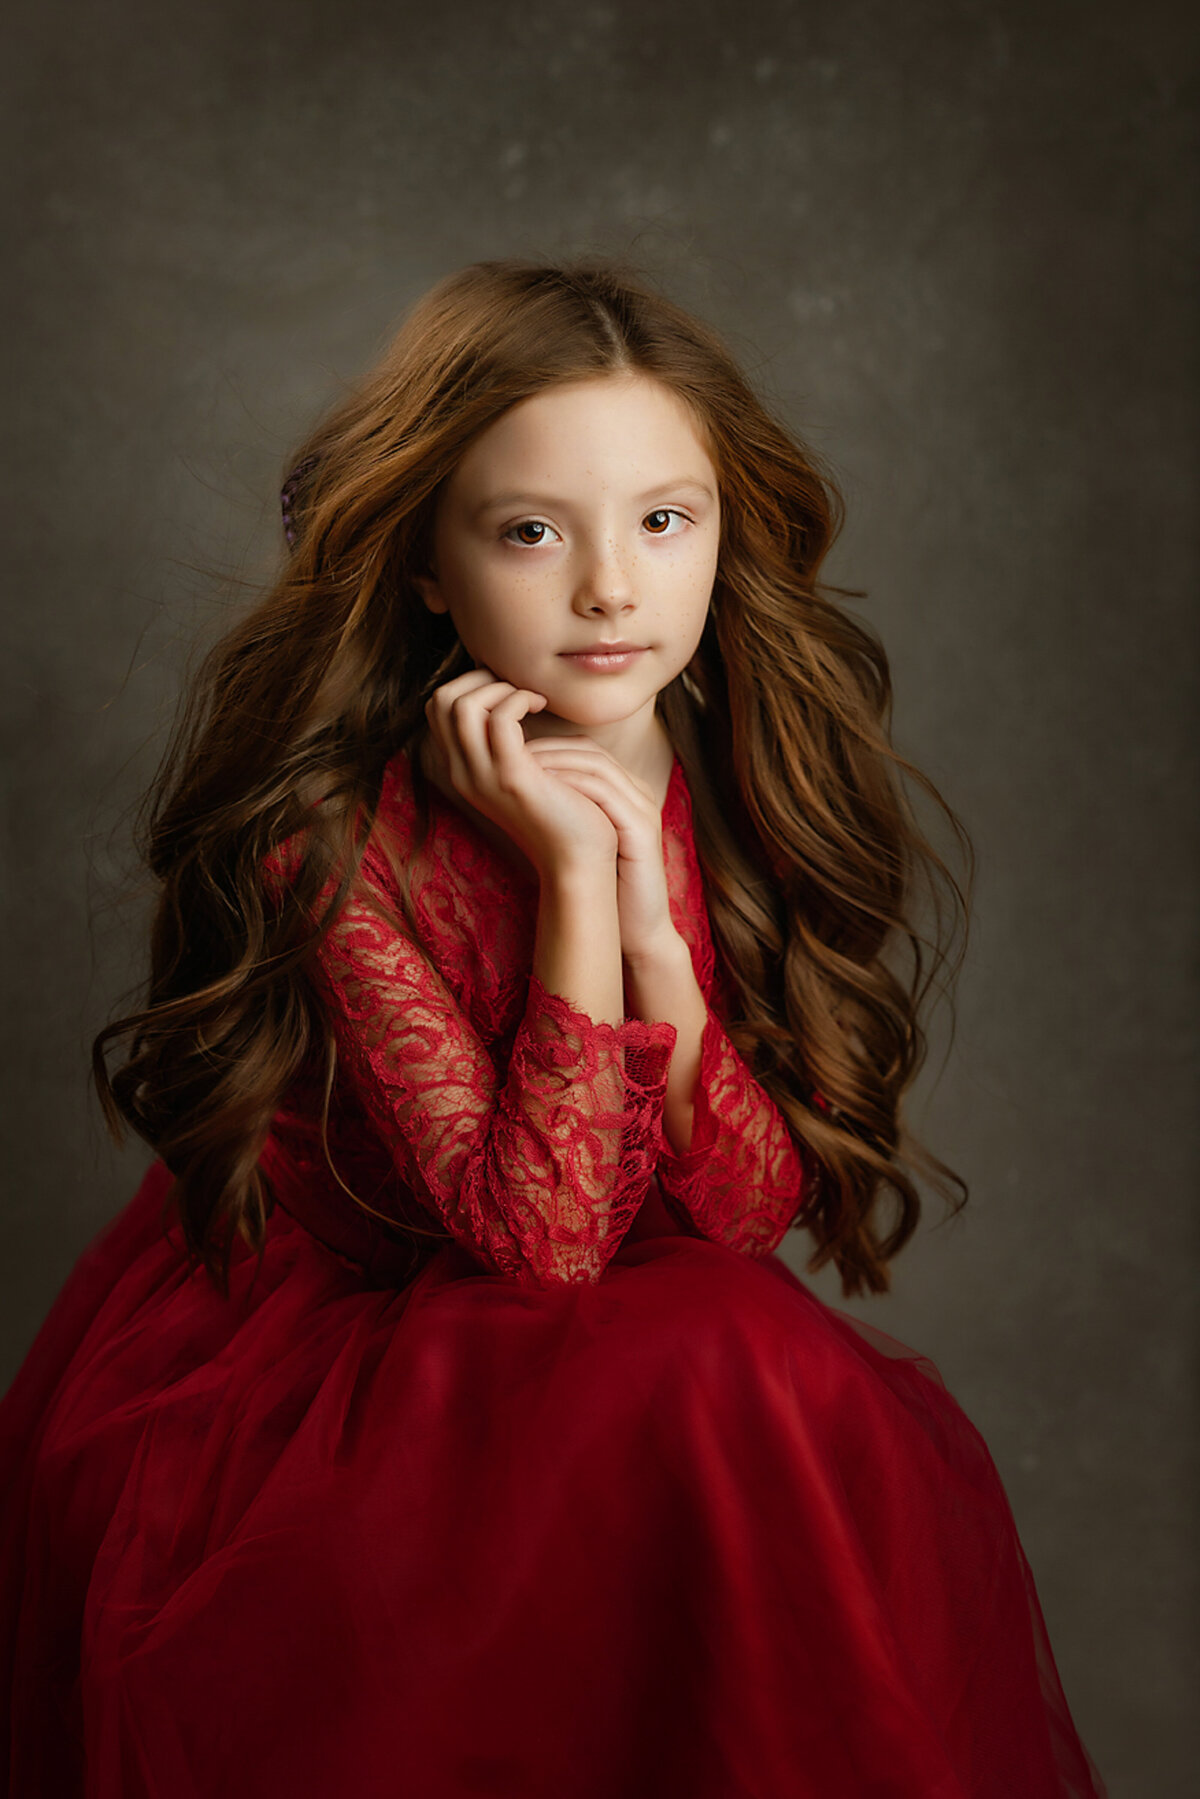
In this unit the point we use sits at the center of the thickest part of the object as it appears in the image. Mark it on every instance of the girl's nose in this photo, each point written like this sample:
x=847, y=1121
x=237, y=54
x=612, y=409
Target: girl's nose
x=605, y=583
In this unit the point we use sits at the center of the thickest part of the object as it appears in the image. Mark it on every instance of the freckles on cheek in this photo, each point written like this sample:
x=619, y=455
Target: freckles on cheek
x=510, y=604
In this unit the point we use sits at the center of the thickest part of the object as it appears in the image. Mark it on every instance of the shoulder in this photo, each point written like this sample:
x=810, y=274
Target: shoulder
x=396, y=812
x=392, y=830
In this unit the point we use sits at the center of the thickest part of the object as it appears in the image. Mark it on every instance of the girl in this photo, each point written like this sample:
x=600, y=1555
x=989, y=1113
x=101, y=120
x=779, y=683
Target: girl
x=437, y=1419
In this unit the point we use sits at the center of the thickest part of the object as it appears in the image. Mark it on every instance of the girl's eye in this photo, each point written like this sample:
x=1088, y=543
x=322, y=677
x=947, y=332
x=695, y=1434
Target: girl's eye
x=529, y=524
x=658, y=523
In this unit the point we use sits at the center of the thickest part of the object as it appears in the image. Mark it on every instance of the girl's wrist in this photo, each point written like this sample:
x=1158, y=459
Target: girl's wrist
x=582, y=877
x=665, y=950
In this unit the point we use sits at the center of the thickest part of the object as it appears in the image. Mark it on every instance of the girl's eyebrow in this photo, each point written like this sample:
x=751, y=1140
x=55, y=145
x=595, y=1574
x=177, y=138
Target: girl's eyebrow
x=688, y=484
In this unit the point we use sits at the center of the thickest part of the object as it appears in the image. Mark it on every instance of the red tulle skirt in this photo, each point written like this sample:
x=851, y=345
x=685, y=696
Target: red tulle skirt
x=687, y=1532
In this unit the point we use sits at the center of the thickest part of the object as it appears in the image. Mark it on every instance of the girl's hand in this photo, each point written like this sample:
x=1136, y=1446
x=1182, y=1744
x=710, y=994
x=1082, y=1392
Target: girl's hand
x=645, y=916
x=476, y=737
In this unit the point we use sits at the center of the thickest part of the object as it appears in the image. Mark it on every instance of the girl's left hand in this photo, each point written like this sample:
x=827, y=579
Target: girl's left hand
x=642, y=907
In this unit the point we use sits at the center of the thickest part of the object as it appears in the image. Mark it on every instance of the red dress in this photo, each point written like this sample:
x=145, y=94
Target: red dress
x=598, y=1502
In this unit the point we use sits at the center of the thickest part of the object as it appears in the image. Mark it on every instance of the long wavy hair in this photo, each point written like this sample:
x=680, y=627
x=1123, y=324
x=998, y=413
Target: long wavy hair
x=812, y=858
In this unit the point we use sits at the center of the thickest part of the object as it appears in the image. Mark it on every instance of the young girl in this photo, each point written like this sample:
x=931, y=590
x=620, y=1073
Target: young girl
x=438, y=1419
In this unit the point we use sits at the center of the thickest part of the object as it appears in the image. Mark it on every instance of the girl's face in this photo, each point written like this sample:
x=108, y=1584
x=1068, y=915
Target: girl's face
x=585, y=515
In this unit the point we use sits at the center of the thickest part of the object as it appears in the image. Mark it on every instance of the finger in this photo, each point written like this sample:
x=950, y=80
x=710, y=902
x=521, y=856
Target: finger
x=572, y=740
x=441, y=701
x=446, y=700
x=505, y=738
x=471, y=717
x=466, y=722
x=569, y=753
x=444, y=721
x=575, y=740
x=443, y=697
x=628, y=812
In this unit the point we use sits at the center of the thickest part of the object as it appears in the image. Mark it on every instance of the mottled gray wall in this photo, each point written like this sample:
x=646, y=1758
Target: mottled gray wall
x=949, y=239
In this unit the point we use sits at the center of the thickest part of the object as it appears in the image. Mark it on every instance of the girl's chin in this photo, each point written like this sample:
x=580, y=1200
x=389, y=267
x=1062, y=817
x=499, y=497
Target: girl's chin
x=577, y=715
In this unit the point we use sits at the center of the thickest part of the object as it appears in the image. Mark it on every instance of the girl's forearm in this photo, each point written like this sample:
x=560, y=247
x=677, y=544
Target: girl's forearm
x=577, y=955
x=577, y=950
x=662, y=985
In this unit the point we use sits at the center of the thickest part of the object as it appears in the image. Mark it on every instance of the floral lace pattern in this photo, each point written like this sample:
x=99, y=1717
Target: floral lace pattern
x=469, y=1097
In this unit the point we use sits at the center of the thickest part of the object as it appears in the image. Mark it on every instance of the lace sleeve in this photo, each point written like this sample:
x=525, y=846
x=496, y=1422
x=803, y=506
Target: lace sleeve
x=743, y=1178
x=538, y=1167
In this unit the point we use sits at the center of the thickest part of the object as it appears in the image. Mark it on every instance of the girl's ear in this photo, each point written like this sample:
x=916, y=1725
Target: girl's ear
x=430, y=592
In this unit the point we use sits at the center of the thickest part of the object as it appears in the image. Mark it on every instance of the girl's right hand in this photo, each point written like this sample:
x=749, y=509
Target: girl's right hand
x=476, y=737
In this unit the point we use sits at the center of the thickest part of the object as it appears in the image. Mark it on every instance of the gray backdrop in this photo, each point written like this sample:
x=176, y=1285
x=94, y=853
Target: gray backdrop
x=949, y=240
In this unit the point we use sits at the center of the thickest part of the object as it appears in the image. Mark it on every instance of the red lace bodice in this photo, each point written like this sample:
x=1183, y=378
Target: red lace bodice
x=472, y=1102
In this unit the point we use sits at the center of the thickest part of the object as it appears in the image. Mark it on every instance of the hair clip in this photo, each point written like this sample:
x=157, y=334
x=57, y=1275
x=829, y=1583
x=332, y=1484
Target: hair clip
x=287, y=497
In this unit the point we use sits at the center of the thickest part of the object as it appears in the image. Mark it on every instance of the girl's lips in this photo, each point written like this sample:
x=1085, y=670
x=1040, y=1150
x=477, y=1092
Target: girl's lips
x=603, y=661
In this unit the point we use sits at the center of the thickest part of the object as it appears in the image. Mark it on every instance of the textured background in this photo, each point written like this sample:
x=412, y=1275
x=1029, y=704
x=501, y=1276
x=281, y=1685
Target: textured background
x=949, y=242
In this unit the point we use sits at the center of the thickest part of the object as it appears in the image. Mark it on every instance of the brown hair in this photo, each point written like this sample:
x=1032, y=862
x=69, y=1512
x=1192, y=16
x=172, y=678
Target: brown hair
x=809, y=849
